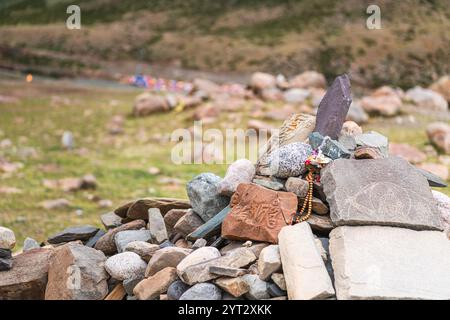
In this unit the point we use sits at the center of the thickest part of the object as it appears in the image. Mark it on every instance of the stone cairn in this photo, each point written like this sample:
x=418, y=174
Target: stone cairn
x=375, y=230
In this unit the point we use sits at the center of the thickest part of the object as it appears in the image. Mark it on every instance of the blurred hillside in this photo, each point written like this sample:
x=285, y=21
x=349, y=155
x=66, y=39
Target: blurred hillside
x=240, y=36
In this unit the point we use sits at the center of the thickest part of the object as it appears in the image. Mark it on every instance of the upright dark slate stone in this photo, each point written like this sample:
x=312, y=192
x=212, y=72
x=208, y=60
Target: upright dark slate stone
x=334, y=107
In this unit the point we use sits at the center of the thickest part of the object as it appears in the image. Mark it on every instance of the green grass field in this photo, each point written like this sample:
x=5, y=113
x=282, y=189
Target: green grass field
x=120, y=163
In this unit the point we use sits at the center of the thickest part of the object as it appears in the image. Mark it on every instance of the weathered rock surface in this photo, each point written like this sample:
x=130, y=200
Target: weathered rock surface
x=278, y=279
x=289, y=160
x=144, y=249
x=202, y=291
x=331, y=148
x=200, y=272
x=198, y=256
x=240, y=171
x=28, y=277
x=172, y=217
x=443, y=205
x=82, y=233
x=333, y=108
x=234, y=286
x=7, y=238
x=130, y=284
x=107, y=243
x=188, y=223
x=374, y=140
x=303, y=267
x=269, y=262
x=320, y=224
x=381, y=192
x=258, y=289
x=156, y=225
x=76, y=272
x=374, y=262
x=176, y=290
x=125, y=265
x=204, y=195
x=297, y=186
x=152, y=287
x=227, y=271
x=258, y=213
x=166, y=257
x=123, y=238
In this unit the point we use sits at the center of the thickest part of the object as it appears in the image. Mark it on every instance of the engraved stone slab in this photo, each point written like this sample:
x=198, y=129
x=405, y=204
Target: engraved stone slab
x=334, y=107
x=258, y=213
x=387, y=192
x=374, y=262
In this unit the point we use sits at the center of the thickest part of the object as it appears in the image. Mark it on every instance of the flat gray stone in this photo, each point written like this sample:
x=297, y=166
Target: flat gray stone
x=333, y=107
x=123, y=238
x=374, y=262
x=130, y=284
x=379, y=192
x=202, y=291
x=30, y=243
x=433, y=180
x=92, y=241
x=375, y=140
x=204, y=195
x=156, y=225
x=269, y=261
x=273, y=184
x=82, y=233
x=111, y=220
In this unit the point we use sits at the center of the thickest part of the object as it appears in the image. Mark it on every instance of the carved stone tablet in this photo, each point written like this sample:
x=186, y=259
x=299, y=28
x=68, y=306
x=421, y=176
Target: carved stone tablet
x=258, y=213
x=388, y=192
x=334, y=107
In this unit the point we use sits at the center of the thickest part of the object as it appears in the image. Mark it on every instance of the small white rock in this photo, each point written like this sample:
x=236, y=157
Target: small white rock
x=7, y=238
x=125, y=265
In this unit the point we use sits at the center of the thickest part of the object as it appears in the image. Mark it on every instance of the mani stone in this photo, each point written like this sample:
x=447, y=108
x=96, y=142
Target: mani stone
x=379, y=192
x=331, y=148
x=289, y=160
x=107, y=243
x=125, y=237
x=202, y=291
x=333, y=108
x=304, y=270
x=200, y=272
x=204, y=195
x=374, y=262
x=240, y=171
x=82, y=233
x=156, y=225
x=76, y=272
x=258, y=213
x=28, y=278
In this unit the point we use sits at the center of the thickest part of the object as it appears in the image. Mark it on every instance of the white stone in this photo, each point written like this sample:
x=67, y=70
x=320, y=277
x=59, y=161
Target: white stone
x=443, y=204
x=269, y=261
x=278, y=279
x=7, y=238
x=198, y=256
x=374, y=262
x=125, y=265
x=144, y=249
x=304, y=270
x=240, y=171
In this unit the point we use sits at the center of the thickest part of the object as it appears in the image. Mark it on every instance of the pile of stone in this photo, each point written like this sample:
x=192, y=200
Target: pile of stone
x=375, y=232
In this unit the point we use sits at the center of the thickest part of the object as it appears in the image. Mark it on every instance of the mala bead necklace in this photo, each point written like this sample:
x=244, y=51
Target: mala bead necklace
x=314, y=164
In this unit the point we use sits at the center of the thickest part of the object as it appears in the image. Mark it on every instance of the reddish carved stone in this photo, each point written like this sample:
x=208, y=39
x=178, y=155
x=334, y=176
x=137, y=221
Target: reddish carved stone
x=258, y=213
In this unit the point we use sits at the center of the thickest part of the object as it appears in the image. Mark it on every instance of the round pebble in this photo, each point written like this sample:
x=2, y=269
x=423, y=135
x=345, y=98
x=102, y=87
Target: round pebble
x=7, y=238
x=125, y=265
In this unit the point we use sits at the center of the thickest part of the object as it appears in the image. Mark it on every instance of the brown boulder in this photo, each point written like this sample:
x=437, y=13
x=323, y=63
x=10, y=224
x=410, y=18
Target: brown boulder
x=154, y=286
x=28, y=277
x=146, y=104
x=258, y=213
x=76, y=272
x=139, y=208
x=107, y=244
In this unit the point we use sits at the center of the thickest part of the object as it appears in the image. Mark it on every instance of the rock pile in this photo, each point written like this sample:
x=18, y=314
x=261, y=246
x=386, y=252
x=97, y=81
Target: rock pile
x=374, y=230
